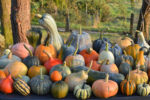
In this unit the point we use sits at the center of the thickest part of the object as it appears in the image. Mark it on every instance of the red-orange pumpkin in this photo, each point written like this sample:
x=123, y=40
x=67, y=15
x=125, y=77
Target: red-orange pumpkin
x=95, y=66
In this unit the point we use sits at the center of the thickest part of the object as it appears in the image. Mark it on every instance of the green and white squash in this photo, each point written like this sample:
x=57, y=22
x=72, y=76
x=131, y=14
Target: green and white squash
x=143, y=89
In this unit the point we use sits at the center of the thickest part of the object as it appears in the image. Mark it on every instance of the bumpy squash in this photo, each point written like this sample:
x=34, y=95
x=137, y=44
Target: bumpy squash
x=56, y=76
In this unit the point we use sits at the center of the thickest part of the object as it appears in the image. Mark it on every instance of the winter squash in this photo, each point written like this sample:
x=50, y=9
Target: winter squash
x=56, y=76
x=50, y=26
x=51, y=62
x=2, y=74
x=59, y=89
x=89, y=55
x=105, y=88
x=95, y=66
x=35, y=70
x=6, y=59
x=127, y=86
x=19, y=50
x=22, y=87
x=133, y=50
x=46, y=47
x=6, y=85
x=16, y=68
x=30, y=60
x=143, y=89
x=124, y=42
x=82, y=91
x=24, y=78
x=75, y=59
x=40, y=84
x=116, y=50
x=106, y=54
x=63, y=69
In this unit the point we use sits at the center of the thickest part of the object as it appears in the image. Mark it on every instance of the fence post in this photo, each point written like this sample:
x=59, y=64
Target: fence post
x=131, y=24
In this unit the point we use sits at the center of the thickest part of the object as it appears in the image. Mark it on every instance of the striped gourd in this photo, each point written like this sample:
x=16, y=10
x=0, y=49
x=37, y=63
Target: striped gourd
x=143, y=89
x=82, y=91
x=21, y=87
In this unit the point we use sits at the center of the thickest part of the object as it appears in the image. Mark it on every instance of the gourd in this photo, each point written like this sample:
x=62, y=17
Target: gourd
x=105, y=88
x=59, y=89
x=50, y=26
x=49, y=48
x=40, y=84
x=82, y=91
x=124, y=42
x=95, y=66
x=89, y=55
x=2, y=74
x=16, y=68
x=116, y=50
x=51, y=62
x=64, y=69
x=19, y=50
x=6, y=59
x=24, y=78
x=6, y=85
x=143, y=89
x=109, y=68
x=56, y=76
x=77, y=78
x=22, y=87
x=30, y=60
x=106, y=54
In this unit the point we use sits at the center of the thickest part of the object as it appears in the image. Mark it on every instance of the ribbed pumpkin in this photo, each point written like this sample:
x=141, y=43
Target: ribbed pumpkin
x=124, y=42
x=6, y=59
x=143, y=89
x=89, y=55
x=16, y=68
x=82, y=91
x=56, y=76
x=95, y=66
x=30, y=60
x=2, y=74
x=109, y=68
x=19, y=50
x=48, y=48
x=21, y=87
x=59, y=89
x=105, y=88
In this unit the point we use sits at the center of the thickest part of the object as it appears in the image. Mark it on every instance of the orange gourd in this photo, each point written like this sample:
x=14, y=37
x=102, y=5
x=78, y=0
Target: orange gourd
x=2, y=74
x=124, y=42
x=56, y=76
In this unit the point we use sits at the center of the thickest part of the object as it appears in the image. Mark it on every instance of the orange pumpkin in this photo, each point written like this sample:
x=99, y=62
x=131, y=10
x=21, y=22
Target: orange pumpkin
x=56, y=76
x=95, y=65
x=48, y=48
x=105, y=88
x=89, y=55
x=2, y=74
x=124, y=42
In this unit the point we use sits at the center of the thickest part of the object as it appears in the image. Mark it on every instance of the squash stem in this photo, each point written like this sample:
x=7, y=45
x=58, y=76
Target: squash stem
x=65, y=63
x=30, y=52
x=138, y=68
x=107, y=77
x=41, y=74
x=89, y=67
x=76, y=49
x=89, y=50
x=80, y=29
x=10, y=55
x=106, y=46
x=125, y=53
x=46, y=42
x=69, y=44
x=107, y=62
x=49, y=55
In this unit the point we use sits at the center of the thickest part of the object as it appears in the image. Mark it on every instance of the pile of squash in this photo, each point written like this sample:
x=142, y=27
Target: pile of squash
x=80, y=66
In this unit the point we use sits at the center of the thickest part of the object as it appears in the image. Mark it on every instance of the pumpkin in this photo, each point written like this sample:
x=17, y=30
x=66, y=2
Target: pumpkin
x=51, y=62
x=106, y=54
x=46, y=47
x=59, y=89
x=133, y=50
x=124, y=42
x=6, y=85
x=103, y=47
x=21, y=87
x=109, y=68
x=35, y=70
x=24, y=78
x=6, y=59
x=30, y=60
x=81, y=38
x=19, y=50
x=2, y=74
x=138, y=76
x=56, y=76
x=95, y=66
x=89, y=55
x=143, y=89
x=50, y=26
x=116, y=50
x=75, y=59
x=63, y=69
x=40, y=84
x=82, y=91
x=127, y=86
x=16, y=68
x=105, y=88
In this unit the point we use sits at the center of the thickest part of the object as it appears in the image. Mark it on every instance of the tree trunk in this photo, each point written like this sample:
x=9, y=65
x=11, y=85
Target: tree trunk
x=5, y=6
x=20, y=18
x=67, y=29
x=131, y=23
x=144, y=20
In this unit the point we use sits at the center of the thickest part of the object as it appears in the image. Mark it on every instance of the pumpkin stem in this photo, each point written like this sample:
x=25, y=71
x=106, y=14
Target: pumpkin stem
x=89, y=67
x=80, y=29
x=46, y=42
x=65, y=63
x=123, y=59
x=10, y=55
x=89, y=50
x=106, y=46
x=41, y=74
x=125, y=53
x=49, y=55
x=20, y=76
x=107, y=77
x=38, y=15
x=69, y=44
x=30, y=52
x=138, y=68
x=107, y=62
x=76, y=49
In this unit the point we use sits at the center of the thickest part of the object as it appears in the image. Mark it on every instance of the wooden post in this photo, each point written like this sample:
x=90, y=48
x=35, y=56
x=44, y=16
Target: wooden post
x=131, y=23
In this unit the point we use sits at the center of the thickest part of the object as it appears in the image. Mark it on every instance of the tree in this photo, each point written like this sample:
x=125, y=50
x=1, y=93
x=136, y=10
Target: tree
x=6, y=21
x=20, y=18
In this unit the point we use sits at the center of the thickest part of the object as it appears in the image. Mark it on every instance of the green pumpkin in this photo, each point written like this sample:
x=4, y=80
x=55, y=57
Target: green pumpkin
x=82, y=91
x=143, y=89
x=65, y=70
x=59, y=89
